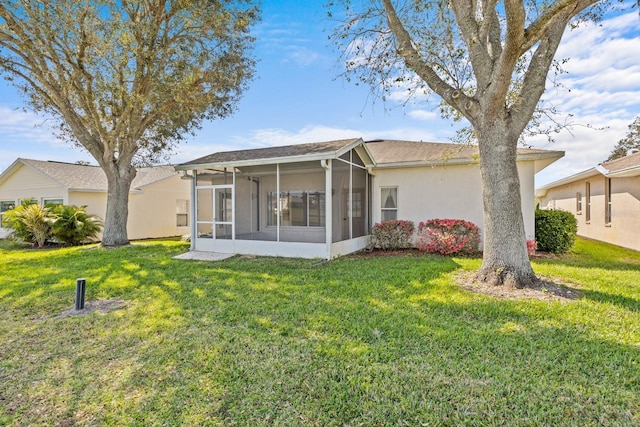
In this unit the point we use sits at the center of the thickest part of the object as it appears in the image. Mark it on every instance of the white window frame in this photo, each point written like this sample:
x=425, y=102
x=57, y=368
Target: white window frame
x=274, y=216
x=47, y=201
x=182, y=209
x=382, y=208
x=2, y=211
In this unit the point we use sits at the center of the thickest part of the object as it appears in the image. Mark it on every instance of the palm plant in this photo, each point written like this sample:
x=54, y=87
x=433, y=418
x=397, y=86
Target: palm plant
x=73, y=225
x=29, y=222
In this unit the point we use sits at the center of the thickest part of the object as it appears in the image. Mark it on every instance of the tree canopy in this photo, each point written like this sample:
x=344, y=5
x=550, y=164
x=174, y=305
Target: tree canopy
x=127, y=80
x=630, y=141
x=489, y=62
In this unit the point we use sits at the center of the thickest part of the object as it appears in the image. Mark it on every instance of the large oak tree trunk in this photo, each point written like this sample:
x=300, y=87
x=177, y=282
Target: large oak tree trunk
x=119, y=178
x=505, y=259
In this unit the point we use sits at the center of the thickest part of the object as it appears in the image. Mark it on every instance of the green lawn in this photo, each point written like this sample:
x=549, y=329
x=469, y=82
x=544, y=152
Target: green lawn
x=359, y=341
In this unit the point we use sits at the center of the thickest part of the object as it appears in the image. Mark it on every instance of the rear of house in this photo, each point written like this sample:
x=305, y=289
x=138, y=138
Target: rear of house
x=321, y=199
x=605, y=200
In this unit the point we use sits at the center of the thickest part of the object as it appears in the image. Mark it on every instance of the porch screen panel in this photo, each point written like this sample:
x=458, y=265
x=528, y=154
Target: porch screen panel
x=204, y=214
x=299, y=206
x=340, y=198
x=359, y=202
x=250, y=202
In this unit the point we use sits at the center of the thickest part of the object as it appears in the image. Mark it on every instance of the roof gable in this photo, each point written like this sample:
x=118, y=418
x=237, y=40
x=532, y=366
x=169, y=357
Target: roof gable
x=78, y=177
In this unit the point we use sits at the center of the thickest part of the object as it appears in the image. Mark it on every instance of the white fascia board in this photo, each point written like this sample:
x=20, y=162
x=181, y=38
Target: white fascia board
x=576, y=177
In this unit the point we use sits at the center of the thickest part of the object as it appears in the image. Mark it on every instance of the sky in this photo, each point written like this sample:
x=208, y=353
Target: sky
x=298, y=97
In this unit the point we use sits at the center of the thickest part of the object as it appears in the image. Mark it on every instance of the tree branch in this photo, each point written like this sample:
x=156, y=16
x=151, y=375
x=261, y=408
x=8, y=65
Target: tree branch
x=454, y=97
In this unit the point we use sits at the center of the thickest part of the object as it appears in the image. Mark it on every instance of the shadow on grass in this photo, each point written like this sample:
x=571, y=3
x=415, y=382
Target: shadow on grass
x=384, y=341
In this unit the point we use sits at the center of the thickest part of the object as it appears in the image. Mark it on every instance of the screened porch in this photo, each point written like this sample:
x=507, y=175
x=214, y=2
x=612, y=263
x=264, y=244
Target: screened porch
x=309, y=208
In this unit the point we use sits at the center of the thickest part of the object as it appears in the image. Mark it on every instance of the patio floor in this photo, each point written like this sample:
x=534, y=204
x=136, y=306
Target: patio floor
x=203, y=256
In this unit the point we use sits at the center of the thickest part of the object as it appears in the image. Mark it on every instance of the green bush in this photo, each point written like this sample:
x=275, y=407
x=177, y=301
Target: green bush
x=11, y=221
x=35, y=224
x=29, y=223
x=73, y=225
x=555, y=230
x=392, y=234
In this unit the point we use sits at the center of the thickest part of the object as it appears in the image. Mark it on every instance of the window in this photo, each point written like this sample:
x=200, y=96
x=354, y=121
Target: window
x=6, y=205
x=607, y=201
x=297, y=208
x=389, y=203
x=182, y=213
x=52, y=202
x=578, y=203
x=587, y=196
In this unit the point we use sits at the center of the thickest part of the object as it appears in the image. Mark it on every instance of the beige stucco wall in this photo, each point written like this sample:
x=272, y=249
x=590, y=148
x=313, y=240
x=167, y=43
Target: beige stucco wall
x=452, y=191
x=152, y=212
x=624, y=229
x=27, y=183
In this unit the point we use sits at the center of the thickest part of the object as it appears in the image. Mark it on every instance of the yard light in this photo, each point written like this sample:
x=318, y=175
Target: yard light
x=81, y=287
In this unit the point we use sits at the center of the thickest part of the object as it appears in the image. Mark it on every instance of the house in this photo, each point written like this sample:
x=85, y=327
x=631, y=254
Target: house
x=604, y=199
x=158, y=201
x=320, y=199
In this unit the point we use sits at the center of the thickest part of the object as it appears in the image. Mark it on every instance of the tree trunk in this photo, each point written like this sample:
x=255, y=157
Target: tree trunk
x=119, y=180
x=505, y=259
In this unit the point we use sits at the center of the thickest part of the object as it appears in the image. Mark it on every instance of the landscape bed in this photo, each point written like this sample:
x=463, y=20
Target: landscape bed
x=361, y=340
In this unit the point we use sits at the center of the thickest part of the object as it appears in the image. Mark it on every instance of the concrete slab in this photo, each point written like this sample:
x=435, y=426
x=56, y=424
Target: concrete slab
x=203, y=256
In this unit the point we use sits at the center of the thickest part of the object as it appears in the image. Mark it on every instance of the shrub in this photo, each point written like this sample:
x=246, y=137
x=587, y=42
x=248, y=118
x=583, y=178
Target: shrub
x=555, y=230
x=73, y=225
x=392, y=234
x=448, y=237
x=29, y=222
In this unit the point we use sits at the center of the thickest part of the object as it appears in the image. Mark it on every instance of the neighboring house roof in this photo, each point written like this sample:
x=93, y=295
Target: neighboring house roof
x=382, y=153
x=75, y=177
x=622, y=167
x=619, y=168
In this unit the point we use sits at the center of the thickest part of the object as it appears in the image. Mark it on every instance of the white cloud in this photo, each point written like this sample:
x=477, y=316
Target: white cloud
x=423, y=115
x=604, y=81
x=272, y=137
x=301, y=55
x=26, y=135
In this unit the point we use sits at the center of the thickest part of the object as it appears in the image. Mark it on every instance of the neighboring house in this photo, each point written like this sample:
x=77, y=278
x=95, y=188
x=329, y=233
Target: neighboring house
x=158, y=201
x=604, y=199
x=320, y=199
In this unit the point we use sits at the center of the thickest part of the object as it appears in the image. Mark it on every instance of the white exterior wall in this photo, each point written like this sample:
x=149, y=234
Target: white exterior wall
x=451, y=192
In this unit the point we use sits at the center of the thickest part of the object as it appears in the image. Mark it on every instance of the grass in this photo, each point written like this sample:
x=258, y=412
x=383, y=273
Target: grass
x=359, y=341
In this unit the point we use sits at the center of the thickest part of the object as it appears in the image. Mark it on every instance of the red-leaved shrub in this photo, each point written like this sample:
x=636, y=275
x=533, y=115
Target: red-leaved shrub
x=448, y=237
x=392, y=234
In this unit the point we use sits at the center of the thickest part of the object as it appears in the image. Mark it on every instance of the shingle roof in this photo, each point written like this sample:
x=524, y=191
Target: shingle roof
x=384, y=153
x=387, y=152
x=630, y=161
x=627, y=166
x=298, y=150
x=92, y=178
